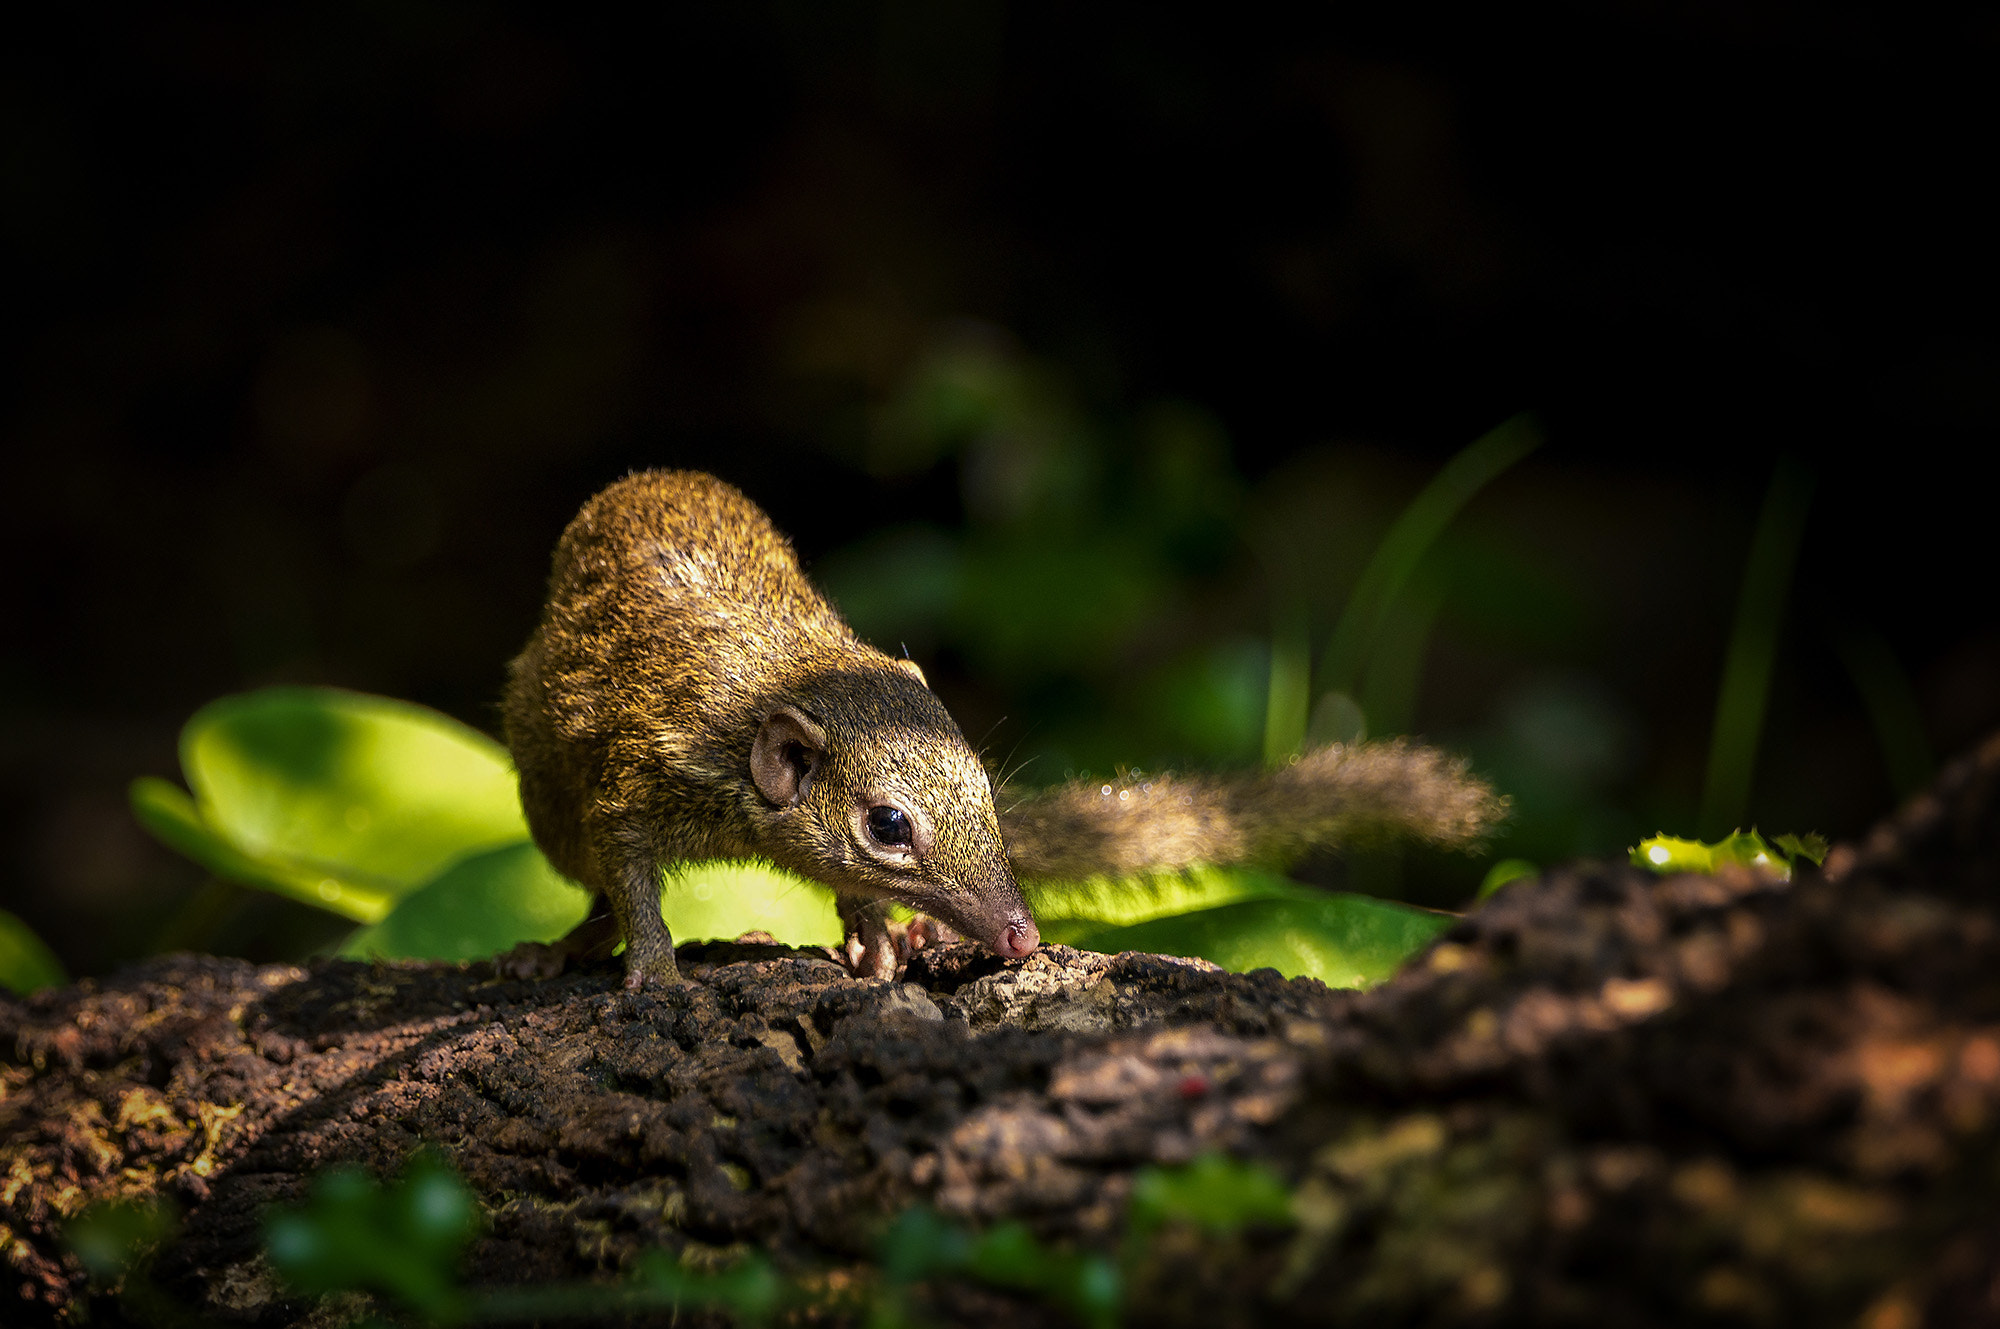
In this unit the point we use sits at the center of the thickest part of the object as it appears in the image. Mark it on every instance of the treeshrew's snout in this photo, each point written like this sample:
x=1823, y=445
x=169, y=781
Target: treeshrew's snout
x=1018, y=940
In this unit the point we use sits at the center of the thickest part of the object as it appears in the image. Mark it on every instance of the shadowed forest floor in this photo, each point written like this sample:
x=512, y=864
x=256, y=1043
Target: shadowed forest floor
x=1604, y=1097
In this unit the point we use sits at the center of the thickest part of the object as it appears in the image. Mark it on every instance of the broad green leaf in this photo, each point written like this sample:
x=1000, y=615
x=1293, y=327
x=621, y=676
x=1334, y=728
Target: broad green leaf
x=375, y=794
x=1345, y=941
x=477, y=907
x=165, y=809
x=1096, y=902
x=26, y=963
x=729, y=898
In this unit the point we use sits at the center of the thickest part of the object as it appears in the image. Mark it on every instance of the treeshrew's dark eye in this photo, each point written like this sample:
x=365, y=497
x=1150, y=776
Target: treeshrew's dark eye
x=889, y=826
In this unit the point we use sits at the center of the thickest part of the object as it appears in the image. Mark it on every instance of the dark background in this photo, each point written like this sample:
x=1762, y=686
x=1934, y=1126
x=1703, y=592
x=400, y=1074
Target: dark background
x=1070, y=343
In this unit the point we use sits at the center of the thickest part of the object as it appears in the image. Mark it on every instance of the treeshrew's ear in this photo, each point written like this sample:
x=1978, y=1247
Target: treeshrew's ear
x=909, y=667
x=785, y=754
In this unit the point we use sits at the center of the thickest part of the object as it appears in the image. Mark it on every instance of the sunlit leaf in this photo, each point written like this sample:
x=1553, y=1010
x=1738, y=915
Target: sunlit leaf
x=1666, y=853
x=1098, y=902
x=727, y=899
x=26, y=962
x=165, y=809
x=477, y=907
x=1345, y=941
x=380, y=791
x=339, y=799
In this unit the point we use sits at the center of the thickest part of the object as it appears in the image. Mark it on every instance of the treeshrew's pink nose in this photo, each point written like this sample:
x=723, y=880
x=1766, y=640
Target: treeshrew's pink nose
x=1019, y=940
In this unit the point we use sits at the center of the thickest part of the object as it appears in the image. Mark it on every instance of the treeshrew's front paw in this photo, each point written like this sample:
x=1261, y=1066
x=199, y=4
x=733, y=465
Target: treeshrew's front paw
x=651, y=977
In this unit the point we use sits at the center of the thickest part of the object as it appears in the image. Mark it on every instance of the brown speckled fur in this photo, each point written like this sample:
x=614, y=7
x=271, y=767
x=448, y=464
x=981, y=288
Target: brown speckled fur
x=678, y=620
x=1335, y=795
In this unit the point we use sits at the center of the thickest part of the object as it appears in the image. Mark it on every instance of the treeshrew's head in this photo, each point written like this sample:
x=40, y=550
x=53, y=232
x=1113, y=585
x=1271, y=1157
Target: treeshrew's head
x=867, y=784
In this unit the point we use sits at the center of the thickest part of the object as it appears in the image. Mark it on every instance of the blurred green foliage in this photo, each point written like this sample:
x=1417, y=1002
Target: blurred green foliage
x=919, y=1246
x=1506, y=870
x=109, y=1239
x=403, y=1239
x=1753, y=647
x=26, y=962
x=1215, y=1192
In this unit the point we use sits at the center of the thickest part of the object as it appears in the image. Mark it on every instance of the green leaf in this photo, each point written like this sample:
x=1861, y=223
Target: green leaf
x=729, y=898
x=1395, y=560
x=339, y=799
x=165, y=809
x=382, y=790
x=26, y=963
x=1811, y=846
x=1097, y=902
x=484, y=904
x=477, y=907
x=1345, y=941
x=1667, y=854
x=919, y=1246
x=1506, y=870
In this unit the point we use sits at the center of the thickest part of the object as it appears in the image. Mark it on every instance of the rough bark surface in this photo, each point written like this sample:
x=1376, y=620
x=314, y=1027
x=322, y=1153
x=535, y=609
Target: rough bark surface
x=1605, y=1097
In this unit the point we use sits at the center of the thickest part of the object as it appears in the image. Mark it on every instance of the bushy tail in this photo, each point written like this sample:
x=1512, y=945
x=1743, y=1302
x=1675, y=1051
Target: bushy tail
x=1337, y=795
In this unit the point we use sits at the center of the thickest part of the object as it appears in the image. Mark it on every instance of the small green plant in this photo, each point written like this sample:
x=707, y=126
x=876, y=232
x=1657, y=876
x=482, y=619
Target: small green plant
x=1668, y=854
x=115, y=1242
x=403, y=1240
x=919, y=1247
x=1215, y=1192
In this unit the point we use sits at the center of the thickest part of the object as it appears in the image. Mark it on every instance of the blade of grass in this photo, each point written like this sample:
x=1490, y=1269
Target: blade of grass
x=1396, y=668
x=1892, y=707
x=1291, y=682
x=1753, y=649
x=1415, y=531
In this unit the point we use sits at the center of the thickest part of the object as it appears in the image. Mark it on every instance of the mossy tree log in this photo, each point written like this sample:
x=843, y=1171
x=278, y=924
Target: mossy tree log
x=1605, y=1097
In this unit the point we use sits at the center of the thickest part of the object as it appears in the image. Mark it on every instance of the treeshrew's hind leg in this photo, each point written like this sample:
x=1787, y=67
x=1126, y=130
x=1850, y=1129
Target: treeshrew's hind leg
x=592, y=939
